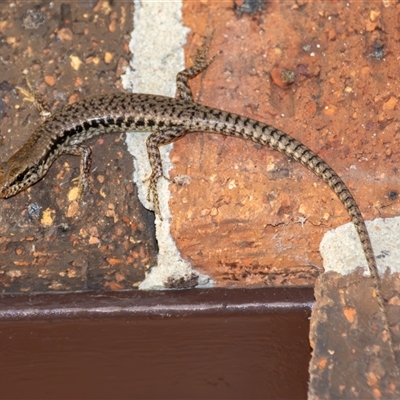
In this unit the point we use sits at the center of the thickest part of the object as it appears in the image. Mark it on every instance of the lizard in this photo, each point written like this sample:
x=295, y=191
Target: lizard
x=168, y=119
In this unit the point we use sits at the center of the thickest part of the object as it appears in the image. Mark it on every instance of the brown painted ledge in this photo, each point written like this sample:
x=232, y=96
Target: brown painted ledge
x=217, y=343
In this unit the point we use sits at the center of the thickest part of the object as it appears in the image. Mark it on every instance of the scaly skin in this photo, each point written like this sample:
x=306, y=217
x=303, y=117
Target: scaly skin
x=168, y=119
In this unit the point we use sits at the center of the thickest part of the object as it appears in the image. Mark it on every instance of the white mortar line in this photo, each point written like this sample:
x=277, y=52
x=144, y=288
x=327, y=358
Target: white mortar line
x=342, y=252
x=157, y=46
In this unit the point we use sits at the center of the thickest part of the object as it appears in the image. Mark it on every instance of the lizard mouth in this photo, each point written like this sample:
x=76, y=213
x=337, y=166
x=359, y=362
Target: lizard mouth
x=4, y=182
x=4, y=190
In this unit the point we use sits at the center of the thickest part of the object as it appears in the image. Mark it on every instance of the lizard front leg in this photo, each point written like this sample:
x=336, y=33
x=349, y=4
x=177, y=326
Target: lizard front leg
x=37, y=99
x=183, y=90
x=85, y=153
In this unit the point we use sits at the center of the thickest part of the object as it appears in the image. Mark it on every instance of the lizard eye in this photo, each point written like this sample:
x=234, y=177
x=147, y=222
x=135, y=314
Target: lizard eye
x=19, y=178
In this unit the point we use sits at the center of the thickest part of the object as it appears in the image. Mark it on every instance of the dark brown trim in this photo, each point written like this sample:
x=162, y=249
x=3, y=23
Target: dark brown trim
x=142, y=303
x=194, y=344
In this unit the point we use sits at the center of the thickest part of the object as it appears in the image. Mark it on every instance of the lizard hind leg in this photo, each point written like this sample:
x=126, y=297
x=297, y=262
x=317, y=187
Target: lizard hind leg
x=200, y=64
x=154, y=141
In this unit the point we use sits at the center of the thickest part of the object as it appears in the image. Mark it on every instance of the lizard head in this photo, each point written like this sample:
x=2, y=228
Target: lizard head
x=14, y=177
